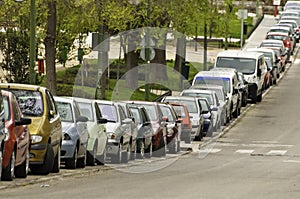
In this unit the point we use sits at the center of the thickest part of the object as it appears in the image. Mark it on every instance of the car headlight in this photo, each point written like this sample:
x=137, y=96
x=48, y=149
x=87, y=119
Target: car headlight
x=67, y=136
x=36, y=139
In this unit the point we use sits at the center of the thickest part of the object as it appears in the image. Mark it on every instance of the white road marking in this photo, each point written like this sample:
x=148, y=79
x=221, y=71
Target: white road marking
x=244, y=151
x=213, y=150
x=276, y=152
x=267, y=145
x=292, y=161
x=266, y=142
x=297, y=61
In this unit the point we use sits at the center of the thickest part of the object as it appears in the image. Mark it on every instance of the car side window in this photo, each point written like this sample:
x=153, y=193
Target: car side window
x=98, y=112
x=144, y=116
x=122, y=113
x=16, y=109
x=51, y=103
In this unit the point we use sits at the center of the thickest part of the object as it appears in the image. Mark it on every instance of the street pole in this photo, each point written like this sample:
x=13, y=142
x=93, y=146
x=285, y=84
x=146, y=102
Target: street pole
x=32, y=52
x=147, y=54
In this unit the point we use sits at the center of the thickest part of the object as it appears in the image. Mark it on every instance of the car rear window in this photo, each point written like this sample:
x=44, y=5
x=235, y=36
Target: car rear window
x=30, y=102
x=180, y=111
x=86, y=110
x=109, y=112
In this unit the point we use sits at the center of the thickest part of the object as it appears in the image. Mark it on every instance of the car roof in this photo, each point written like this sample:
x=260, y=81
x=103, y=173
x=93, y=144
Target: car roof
x=186, y=98
x=238, y=53
x=260, y=50
x=190, y=90
x=83, y=100
x=206, y=86
x=212, y=73
x=64, y=99
x=272, y=41
x=278, y=33
x=18, y=86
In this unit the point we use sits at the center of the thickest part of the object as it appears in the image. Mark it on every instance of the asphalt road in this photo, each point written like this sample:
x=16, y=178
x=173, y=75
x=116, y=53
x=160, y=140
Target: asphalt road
x=257, y=156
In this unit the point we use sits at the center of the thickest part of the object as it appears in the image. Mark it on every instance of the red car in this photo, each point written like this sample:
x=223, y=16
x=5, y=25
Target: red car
x=186, y=124
x=16, y=149
x=159, y=140
x=282, y=36
x=172, y=123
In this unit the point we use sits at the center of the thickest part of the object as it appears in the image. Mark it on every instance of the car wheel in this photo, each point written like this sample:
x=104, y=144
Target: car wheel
x=22, y=170
x=173, y=145
x=100, y=160
x=148, y=151
x=132, y=152
x=126, y=154
x=8, y=172
x=259, y=97
x=178, y=146
x=91, y=156
x=71, y=163
x=161, y=151
x=45, y=168
x=81, y=162
x=116, y=159
x=56, y=165
x=140, y=152
x=235, y=114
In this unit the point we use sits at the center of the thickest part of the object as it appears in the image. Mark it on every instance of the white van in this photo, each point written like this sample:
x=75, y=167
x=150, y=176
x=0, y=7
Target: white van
x=228, y=80
x=251, y=64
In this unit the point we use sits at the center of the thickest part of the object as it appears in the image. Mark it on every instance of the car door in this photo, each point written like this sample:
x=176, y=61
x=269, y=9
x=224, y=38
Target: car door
x=125, y=124
x=102, y=137
x=21, y=132
x=81, y=127
x=54, y=121
x=147, y=128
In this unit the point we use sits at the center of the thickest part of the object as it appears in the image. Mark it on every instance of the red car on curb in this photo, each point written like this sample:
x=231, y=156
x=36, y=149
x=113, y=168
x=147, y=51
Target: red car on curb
x=16, y=148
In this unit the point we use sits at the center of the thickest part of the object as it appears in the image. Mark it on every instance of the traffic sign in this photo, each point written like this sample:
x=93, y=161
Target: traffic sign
x=242, y=14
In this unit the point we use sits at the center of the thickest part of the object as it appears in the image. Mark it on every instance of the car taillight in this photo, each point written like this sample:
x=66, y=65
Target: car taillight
x=297, y=30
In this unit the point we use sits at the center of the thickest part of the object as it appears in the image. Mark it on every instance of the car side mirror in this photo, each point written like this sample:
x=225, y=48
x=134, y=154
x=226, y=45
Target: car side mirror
x=23, y=121
x=102, y=121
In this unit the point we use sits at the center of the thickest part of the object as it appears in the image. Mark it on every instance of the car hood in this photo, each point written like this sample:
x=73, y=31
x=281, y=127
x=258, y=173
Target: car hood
x=66, y=126
x=111, y=126
x=36, y=124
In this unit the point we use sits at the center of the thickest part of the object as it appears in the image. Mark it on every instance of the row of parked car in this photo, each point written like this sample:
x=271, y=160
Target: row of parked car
x=40, y=133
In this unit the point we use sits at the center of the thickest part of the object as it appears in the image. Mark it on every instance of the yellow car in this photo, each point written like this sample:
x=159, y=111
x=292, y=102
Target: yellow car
x=37, y=103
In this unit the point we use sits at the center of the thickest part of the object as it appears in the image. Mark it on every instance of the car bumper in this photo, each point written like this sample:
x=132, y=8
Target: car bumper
x=37, y=153
x=67, y=149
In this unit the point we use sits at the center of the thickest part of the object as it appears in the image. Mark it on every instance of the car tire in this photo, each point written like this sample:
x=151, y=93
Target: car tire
x=81, y=162
x=91, y=156
x=161, y=151
x=140, y=151
x=132, y=152
x=259, y=97
x=56, y=165
x=71, y=163
x=173, y=145
x=100, y=160
x=116, y=159
x=47, y=166
x=148, y=151
x=235, y=114
x=21, y=171
x=8, y=172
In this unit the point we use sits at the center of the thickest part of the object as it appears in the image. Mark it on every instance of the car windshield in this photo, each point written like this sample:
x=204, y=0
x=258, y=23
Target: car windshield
x=180, y=111
x=109, y=112
x=243, y=65
x=86, y=110
x=151, y=111
x=166, y=112
x=136, y=115
x=221, y=81
x=190, y=104
x=65, y=111
x=30, y=102
x=6, y=107
x=195, y=94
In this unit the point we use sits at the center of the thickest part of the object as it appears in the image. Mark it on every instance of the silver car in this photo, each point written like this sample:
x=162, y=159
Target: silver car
x=118, y=128
x=96, y=147
x=75, y=133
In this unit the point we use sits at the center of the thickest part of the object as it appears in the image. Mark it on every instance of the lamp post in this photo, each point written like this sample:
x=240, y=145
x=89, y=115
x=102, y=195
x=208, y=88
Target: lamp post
x=32, y=52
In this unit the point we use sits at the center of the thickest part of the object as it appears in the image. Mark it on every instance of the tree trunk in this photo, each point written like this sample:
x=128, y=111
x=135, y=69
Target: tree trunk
x=131, y=62
x=50, y=48
x=160, y=72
